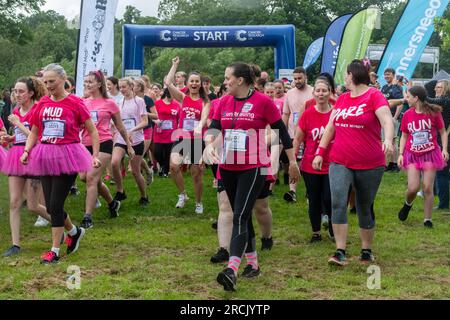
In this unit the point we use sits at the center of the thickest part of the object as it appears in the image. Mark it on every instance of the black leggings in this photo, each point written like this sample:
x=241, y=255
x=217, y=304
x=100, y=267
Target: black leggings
x=243, y=188
x=319, y=196
x=162, y=154
x=56, y=190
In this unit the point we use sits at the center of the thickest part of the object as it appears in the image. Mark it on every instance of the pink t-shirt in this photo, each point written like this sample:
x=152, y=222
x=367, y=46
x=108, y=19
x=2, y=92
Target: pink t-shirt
x=357, y=141
x=422, y=130
x=243, y=125
x=213, y=107
x=20, y=137
x=101, y=111
x=60, y=122
x=191, y=114
x=131, y=112
x=294, y=99
x=169, y=115
x=313, y=123
x=279, y=103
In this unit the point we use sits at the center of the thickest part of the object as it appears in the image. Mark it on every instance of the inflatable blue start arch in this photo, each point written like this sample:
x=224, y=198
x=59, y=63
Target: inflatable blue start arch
x=136, y=37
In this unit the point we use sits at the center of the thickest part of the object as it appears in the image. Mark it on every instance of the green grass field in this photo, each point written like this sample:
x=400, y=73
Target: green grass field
x=162, y=253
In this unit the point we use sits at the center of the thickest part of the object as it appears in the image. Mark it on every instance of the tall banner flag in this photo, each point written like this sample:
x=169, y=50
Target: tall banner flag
x=96, y=39
x=332, y=42
x=355, y=40
x=313, y=53
x=410, y=37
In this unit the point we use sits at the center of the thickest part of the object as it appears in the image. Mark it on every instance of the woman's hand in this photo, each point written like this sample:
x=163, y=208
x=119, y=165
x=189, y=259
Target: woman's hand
x=96, y=163
x=176, y=61
x=24, y=157
x=317, y=163
x=13, y=119
x=388, y=147
x=294, y=172
x=400, y=161
x=209, y=155
x=445, y=155
x=131, y=152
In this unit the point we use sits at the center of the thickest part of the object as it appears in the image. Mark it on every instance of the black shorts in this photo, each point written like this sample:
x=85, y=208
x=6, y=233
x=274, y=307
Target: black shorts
x=265, y=192
x=105, y=147
x=190, y=148
x=138, y=149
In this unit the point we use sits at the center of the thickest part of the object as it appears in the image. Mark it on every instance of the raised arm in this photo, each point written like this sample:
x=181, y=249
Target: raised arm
x=169, y=81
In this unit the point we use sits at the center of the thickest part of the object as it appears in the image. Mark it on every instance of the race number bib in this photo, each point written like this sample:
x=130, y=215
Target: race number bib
x=167, y=125
x=235, y=140
x=54, y=129
x=295, y=117
x=20, y=136
x=94, y=116
x=420, y=138
x=190, y=124
x=129, y=123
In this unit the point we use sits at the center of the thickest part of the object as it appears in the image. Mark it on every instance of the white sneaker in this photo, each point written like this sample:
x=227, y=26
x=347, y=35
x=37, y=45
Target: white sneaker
x=199, y=208
x=98, y=204
x=149, y=177
x=420, y=194
x=41, y=222
x=182, y=198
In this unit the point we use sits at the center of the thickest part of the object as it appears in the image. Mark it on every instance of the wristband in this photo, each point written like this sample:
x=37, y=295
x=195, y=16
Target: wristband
x=320, y=151
x=26, y=151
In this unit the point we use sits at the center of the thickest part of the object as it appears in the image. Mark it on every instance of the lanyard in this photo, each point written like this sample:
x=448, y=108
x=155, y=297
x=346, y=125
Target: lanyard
x=235, y=118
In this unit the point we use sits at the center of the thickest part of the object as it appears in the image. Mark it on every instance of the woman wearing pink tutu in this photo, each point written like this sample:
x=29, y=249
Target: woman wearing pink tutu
x=56, y=122
x=419, y=150
x=103, y=110
x=28, y=91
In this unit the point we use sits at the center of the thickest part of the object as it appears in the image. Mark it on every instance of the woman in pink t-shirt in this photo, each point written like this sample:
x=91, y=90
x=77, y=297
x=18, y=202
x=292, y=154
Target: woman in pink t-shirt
x=242, y=117
x=28, y=91
x=194, y=112
x=134, y=117
x=168, y=111
x=420, y=153
x=357, y=156
x=310, y=129
x=58, y=158
x=103, y=111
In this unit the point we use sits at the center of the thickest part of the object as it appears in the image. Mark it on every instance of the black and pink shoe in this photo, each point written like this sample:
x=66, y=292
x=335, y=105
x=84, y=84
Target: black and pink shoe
x=74, y=241
x=49, y=257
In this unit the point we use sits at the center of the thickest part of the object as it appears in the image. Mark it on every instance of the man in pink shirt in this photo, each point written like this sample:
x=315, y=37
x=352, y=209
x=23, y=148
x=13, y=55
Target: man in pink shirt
x=292, y=110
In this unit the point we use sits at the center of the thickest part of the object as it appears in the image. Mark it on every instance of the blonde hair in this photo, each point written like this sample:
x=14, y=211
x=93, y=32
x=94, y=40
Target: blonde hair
x=446, y=86
x=129, y=81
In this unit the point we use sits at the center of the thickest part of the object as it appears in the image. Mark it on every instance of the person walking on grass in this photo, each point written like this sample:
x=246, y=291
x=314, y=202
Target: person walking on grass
x=419, y=150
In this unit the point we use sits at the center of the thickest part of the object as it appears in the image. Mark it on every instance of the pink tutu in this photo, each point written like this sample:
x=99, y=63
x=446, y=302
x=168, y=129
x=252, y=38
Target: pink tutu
x=429, y=160
x=58, y=159
x=11, y=165
x=3, y=154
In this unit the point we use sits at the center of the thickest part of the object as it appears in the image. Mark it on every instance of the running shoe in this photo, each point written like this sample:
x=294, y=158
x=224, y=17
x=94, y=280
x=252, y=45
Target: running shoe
x=338, y=259
x=266, y=243
x=49, y=257
x=12, y=251
x=98, y=204
x=120, y=196
x=74, y=241
x=74, y=191
x=315, y=238
x=227, y=279
x=366, y=256
x=214, y=225
x=404, y=211
x=428, y=224
x=290, y=196
x=114, y=207
x=182, y=198
x=250, y=272
x=143, y=201
x=87, y=223
x=41, y=222
x=199, y=208
x=221, y=255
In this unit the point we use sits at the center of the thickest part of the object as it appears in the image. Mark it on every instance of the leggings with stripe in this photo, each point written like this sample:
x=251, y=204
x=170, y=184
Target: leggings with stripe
x=243, y=188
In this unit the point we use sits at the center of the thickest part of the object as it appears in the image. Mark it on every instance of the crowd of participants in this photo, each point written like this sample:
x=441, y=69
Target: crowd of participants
x=252, y=132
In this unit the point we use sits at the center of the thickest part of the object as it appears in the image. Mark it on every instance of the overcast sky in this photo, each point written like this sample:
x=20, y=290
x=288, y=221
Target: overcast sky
x=70, y=8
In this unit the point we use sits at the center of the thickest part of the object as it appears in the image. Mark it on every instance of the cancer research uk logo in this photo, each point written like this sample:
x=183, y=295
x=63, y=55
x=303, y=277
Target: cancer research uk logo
x=244, y=35
x=165, y=35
